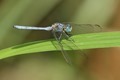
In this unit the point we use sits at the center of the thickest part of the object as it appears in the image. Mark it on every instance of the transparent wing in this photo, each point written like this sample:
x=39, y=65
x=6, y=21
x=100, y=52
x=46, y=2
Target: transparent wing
x=84, y=28
x=64, y=53
x=73, y=43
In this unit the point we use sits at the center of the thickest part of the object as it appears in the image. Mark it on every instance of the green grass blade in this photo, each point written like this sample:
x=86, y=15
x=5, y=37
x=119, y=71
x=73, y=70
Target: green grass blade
x=84, y=41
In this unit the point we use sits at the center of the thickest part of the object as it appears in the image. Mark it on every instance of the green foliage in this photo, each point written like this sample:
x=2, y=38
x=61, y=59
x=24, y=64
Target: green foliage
x=83, y=41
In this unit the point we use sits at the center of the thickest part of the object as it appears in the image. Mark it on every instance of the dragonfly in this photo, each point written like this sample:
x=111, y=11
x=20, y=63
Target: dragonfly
x=65, y=29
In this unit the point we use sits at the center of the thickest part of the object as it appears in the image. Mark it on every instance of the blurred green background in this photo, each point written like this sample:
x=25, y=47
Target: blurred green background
x=48, y=66
x=44, y=13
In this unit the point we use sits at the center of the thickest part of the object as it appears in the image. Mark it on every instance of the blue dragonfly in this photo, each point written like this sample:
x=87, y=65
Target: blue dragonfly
x=65, y=29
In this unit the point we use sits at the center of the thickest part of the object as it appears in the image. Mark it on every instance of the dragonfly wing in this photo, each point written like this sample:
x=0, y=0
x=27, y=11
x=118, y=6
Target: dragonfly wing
x=72, y=42
x=84, y=28
x=64, y=53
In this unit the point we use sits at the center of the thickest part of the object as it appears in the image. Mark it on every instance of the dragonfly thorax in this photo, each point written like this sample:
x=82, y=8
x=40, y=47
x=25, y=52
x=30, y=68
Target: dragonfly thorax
x=59, y=27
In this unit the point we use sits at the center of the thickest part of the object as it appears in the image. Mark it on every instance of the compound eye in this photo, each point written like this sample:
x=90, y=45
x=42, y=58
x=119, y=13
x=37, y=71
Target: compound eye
x=68, y=28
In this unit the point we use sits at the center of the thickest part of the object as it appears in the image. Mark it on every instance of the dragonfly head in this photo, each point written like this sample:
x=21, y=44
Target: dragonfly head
x=68, y=28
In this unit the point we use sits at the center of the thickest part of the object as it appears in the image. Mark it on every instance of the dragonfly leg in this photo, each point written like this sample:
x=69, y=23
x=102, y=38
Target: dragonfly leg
x=60, y=37
x=64, y=53
x=68, y=37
